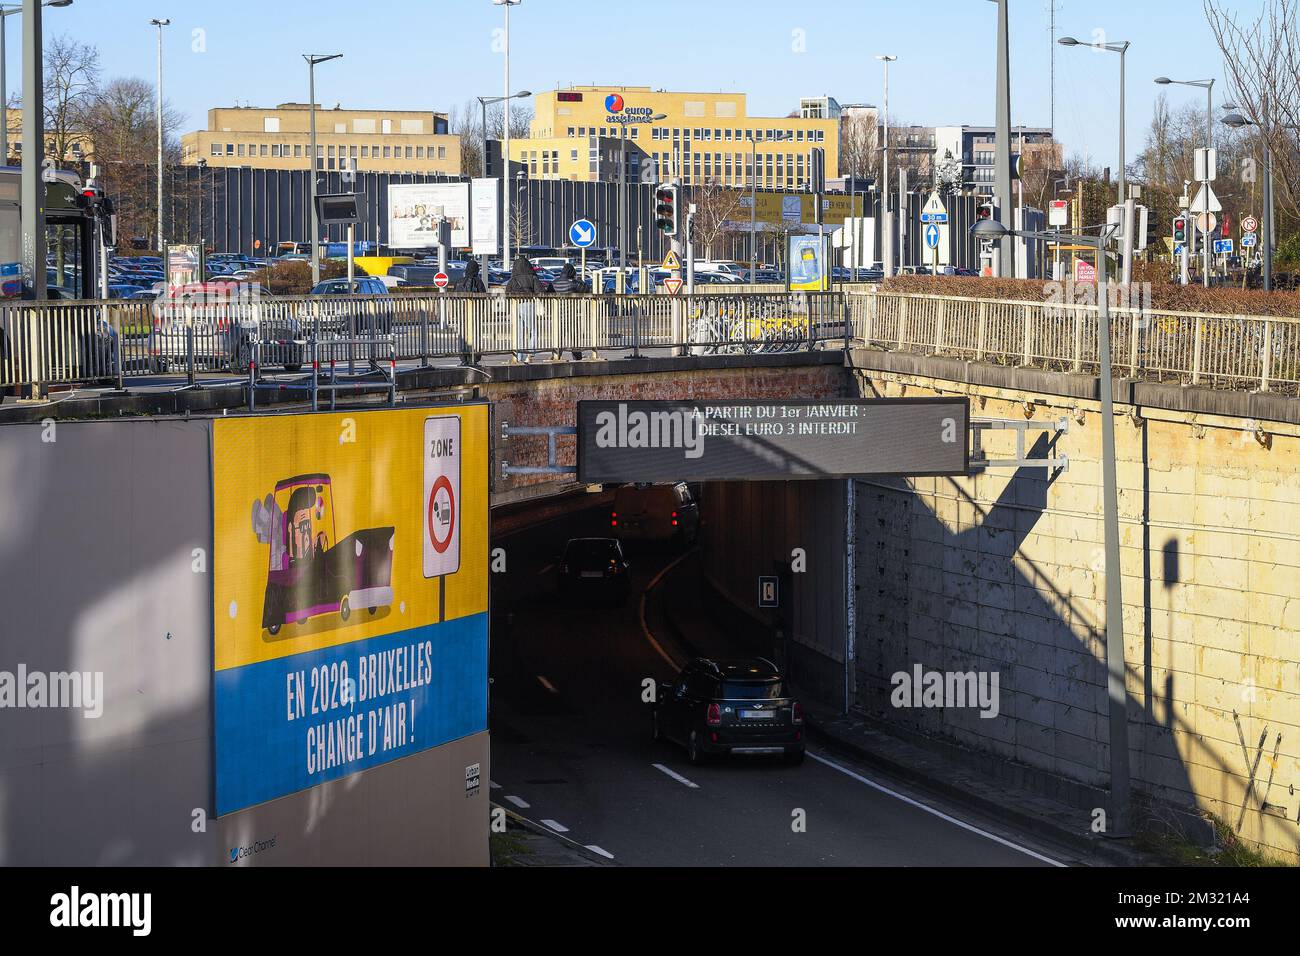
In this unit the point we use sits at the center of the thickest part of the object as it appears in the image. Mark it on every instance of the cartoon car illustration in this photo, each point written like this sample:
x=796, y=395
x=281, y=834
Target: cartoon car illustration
x=312, y=571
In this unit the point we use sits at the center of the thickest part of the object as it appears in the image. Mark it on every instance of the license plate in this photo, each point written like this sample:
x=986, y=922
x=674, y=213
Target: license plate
x=757, y=714
x=592, y=574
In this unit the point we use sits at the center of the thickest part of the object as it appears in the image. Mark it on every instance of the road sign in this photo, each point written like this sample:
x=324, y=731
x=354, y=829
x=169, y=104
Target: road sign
x=583, y=233
x=441, y=280
x=742, y=440
x=932, y=236
x=769, y=591
x=934, y=210
x=441, y=495
x=1206, y=201
x=1250, y=224
x=1248, y=240
x=671, y=262
x=1058, y=212
x=1178, y=249
x=1205, y=162
x=1222, y=246
x=1084, y=271
x=673, y=285
x=1206, y=221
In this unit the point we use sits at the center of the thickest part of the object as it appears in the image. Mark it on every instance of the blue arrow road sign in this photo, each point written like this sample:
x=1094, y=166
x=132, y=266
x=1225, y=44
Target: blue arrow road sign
x=1222, y=245
x=583, y=233
x=1248, y=240
x=932, y=236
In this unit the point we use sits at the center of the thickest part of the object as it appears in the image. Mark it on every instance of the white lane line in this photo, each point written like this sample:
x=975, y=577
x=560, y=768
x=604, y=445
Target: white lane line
x=938, y=813
x=557, y=827
x=517, y=802
x=546, y=570
x=494, y=785
x=595, y=849
x=547, y=684
x=645, y=628
x=676, y=776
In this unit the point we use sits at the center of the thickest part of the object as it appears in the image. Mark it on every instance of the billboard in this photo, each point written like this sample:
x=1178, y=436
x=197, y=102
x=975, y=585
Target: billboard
x=771, y=441
x=792, y=209
x=414, y=210
x=485, y=216
x=809, y=263
x=338, y=645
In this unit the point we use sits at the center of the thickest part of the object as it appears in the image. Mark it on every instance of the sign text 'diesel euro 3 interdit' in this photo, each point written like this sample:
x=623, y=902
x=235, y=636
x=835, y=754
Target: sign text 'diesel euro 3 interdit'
x=771, y=441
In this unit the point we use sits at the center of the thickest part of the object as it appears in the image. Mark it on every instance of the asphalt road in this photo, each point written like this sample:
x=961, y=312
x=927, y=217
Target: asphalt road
x=571, y=745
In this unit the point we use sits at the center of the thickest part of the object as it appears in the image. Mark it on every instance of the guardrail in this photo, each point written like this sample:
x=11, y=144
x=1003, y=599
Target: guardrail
x=56, y=343
x=1222, y=351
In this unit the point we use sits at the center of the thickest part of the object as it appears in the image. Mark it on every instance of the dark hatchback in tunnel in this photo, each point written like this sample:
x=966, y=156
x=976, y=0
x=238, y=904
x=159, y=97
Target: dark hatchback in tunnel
x=730, y=707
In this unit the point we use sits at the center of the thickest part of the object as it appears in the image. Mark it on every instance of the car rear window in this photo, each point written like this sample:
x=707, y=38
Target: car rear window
x=753, y=690
x=588, y=551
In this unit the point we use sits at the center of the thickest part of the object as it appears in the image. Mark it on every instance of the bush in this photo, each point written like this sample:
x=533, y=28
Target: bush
x=1165, y=296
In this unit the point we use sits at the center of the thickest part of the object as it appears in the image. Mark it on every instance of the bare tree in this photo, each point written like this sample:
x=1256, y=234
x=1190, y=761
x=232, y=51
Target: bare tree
x=716, y=207
x=859, y=142
x=71, y=80
x=466, y=121
x=521, y=227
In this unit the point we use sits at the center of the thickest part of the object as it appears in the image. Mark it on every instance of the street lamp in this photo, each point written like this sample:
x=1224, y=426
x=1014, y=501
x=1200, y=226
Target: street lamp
x=1236, y=120
x=160, y=24
x=1208, y=86
x=9, y=11
x=1121, y=49
x=886, y=238
x=312, y=59
x=485, y=102
x=778, y=137
x=505, y=142
x=1119, y=767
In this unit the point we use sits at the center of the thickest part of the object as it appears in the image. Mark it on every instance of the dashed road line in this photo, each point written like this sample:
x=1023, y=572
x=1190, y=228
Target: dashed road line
x=938, y=813
x=557, y=827
x=518, y=801
x=595, y=849
x=676, y=776
x=547, y=684
x=494, y=785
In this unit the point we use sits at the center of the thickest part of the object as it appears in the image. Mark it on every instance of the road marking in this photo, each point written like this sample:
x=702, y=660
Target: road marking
x=547, y=684
x=557, y=827
x=938, y=813
x=645, y=628
x=676, y=776
x=517, y=802
x=494, y=785
x=595, y=849
x=545, y=570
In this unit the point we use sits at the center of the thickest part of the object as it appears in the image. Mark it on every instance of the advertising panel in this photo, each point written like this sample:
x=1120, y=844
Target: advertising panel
x=798, y=208
x=745, y=440
x=485, y=214
x=414, y=210
x=809, y=269
x=339, y=645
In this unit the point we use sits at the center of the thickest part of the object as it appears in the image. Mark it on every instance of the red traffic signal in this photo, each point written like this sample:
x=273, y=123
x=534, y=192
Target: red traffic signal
x=985, y=211
x=1180, y=229
x=666, y=217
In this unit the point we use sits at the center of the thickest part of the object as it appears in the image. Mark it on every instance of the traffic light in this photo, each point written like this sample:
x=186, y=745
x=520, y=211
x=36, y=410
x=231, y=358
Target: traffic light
x=1180, y=230
x=985, y=211
x=666, y=209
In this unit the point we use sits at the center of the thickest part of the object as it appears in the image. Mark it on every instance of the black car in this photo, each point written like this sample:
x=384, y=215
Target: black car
x=730, y=707
x=594, y=568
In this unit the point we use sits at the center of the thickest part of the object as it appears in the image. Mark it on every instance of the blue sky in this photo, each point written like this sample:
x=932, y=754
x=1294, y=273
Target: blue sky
x=433, y=54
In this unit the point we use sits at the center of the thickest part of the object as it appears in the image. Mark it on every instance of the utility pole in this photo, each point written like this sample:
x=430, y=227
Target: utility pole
x=886, y=230
x=505, y=140
x=33, y=183
x=1002, y=138
x=161, y=241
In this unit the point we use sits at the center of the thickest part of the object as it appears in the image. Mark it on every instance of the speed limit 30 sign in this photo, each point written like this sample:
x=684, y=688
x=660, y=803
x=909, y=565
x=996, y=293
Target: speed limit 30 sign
x=441, y=500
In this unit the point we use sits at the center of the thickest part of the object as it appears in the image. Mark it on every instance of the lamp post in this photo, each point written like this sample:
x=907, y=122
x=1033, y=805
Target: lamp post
x=1006, y=265
x=1116, y=670
x=1121, y=49
x=485, y=102
x=312, y=59
x=505, y=141
x=160, y=23
x=886, y=232
x=9, y=11
x=778, y=137
x=1236, y=120
x=1208, y=86
x=203, y=169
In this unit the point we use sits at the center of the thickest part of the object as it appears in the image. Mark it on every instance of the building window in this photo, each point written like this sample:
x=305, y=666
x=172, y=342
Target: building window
x=216, y=149
x=410, y=152
x=570, y=130
x=442, y=152
x=297, y=151
x=275, y=149
x=388, y=151
x=573, y=155
x=365, y=152
x=386, y=127
x=270, y=124
x=241, y=148
x=419, y=152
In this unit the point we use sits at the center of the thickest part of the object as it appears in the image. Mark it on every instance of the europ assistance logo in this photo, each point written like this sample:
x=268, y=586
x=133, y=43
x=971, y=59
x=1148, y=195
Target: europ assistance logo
x=614, y=103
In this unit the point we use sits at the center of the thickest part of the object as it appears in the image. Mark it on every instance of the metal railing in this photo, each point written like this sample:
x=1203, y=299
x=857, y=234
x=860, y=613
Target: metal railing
x=1221, y=351
x=57, y=343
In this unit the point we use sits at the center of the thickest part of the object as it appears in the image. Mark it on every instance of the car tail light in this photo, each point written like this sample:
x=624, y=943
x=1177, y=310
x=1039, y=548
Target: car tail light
x=613, y=519
x=714, y=717
x=674, y=519
x=797, y=713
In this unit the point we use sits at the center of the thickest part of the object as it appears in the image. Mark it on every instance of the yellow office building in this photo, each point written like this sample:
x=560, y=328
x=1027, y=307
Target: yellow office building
x=703, y=137
x=391, y=141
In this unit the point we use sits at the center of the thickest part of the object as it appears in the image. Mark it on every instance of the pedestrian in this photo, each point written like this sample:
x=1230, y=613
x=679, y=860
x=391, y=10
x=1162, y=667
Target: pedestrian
x=568, y=283
x=471, y=282
x=523, y=282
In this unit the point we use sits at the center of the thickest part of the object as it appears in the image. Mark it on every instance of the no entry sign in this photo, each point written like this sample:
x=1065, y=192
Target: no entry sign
x=441, y=280
x=441, y=495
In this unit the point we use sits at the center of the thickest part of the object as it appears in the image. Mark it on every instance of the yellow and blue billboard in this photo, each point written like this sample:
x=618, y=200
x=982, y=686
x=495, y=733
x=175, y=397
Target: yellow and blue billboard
x=350, y=593
x=809, y=266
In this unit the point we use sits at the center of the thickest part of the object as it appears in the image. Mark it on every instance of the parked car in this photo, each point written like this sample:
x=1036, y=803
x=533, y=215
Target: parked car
x=667, y=513
x=729, y=707
x=593, y=568
x=224, y=329
x=361, y=285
